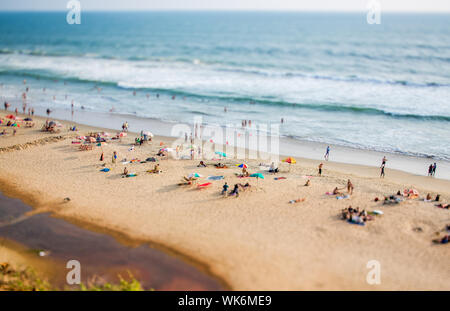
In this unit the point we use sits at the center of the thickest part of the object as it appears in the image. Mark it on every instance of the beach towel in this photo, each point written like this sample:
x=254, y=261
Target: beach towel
x=131, y=175
x=376, y=212
x=356, y=223
x=105, y=169
x=342, y=197
x=279, y=178
x=150, y=159
x=215, y=177
x=204, y=185
x=329, y=193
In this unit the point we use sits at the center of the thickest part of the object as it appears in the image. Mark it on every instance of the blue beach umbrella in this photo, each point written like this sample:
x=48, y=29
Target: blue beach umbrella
x=257, y=175
x=222, y=154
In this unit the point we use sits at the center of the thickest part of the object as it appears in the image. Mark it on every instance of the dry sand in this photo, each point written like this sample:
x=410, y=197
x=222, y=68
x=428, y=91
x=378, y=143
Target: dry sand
x=255, y=242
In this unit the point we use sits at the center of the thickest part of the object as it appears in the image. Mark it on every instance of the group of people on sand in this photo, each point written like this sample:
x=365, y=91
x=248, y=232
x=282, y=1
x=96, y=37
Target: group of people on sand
x=354, y=215
x=337, y=190
x=235, y=191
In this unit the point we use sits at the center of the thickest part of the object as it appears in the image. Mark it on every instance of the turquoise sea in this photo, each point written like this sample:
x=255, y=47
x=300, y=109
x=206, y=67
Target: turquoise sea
x=332, y=77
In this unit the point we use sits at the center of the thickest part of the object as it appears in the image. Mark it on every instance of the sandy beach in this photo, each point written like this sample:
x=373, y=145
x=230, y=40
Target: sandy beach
x=257, y=241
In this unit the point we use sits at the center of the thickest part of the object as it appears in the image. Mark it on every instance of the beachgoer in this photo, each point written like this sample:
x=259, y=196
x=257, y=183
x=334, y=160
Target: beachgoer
x=101, y=157
x=114, y=157
x=320, y=169
x=125, y=171
x=201, y=164
x=235, y=190
x=430, y=170
x=327, y=153
x=272, y=168
x=383, y=161
x=32, y=111
x=434, y=169
x=349, y=187
x=308, y=183
x=382, y=171
x=48, y=111
x=224, y=188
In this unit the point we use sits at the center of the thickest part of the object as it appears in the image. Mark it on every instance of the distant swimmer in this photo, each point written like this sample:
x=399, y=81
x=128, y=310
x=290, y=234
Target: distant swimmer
x=327, y=153
x=48, y=111
x=157, y=95
x=224, y=109
x=24, y=81
x=282, y=120
x=173, y=97
x=147, y=95
x=134, y=93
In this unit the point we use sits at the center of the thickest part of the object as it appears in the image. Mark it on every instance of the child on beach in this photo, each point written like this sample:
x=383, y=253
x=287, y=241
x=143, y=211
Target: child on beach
x=224, y=189
x=320, y=169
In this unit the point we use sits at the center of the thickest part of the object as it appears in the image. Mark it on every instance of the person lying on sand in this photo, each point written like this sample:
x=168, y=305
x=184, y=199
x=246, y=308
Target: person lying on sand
x=355, y=216
x=297, y=201
x=201, y=164
x=244, y=187
x=441, y=205
x=220, y=165
x=444, y=239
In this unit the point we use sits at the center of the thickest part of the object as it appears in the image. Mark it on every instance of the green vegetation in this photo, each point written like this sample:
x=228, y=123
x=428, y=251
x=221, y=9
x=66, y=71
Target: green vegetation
x=13, y=279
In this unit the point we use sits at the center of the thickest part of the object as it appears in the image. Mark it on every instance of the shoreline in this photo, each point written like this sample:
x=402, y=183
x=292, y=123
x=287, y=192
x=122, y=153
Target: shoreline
x=200, y=220
x=309, y=150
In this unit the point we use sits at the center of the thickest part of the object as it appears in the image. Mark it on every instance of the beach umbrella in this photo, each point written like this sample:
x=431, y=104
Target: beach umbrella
x=242, y=165
x=148, y=133
x=10, y=116
x=290, y=160
x=194, y=175
x=257, y=175
x=222, y=154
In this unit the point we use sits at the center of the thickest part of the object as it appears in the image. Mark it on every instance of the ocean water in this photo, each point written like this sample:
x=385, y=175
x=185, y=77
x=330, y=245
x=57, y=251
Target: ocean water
x=332, y=77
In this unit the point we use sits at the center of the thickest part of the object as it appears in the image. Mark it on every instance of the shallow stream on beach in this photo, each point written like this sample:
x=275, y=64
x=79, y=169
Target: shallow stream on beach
x=101, y=256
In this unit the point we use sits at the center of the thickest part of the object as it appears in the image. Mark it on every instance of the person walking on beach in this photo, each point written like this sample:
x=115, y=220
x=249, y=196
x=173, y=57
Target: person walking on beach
x=383, y=162
x=320, y=169
x=224, y=189
x=382, y=171
x=434, y=169
x=101, y=157
x=32, y=111
x=327, y=153
x=430, y=170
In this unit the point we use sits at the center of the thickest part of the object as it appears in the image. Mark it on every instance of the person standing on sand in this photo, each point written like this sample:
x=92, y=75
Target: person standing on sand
x=327, y=153
x=48, y=111
x=101, y=157
x=349, y=187
x=382, y=171
x=32, y=111
x=320, y=169
x=430, y=170
x=383, y=162
x=434, y=169
x=114, y=157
